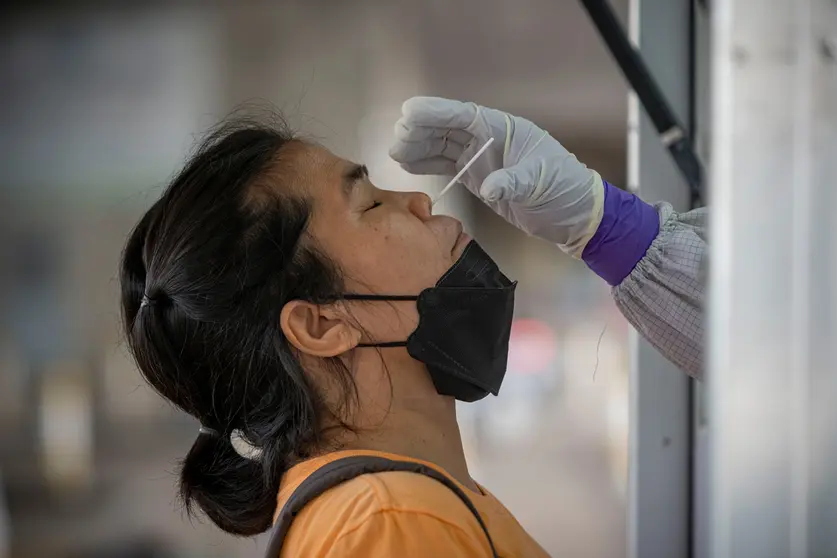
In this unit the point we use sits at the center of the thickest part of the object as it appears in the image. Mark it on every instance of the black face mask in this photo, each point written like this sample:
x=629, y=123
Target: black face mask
x=464, y=326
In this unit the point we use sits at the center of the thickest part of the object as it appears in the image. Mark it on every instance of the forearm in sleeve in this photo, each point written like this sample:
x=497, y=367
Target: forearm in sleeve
x=655, y=261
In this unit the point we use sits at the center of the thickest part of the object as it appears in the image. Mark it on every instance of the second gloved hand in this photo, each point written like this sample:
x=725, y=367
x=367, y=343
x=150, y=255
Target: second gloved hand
x=525, y=176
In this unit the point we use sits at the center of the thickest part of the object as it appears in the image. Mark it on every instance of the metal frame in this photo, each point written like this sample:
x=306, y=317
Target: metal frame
x=659, y=517
x=673, y=133
x=700, y=431
x=773, y=308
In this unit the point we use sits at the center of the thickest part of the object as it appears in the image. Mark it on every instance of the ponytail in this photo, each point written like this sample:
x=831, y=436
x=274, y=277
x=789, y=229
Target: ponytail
x=238, y=494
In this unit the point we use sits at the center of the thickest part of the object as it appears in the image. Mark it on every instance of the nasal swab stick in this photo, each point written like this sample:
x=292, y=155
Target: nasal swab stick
x=460, y=173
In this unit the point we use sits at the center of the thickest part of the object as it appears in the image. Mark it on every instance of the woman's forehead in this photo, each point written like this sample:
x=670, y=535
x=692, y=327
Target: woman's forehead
x=318, y=168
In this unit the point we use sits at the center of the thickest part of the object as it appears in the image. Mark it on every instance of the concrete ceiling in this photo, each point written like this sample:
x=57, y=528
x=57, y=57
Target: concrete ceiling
x=540, y=58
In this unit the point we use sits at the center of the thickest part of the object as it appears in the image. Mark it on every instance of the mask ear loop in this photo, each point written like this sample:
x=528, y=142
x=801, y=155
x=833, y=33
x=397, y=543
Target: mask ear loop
x=379, y=297
x=371, y=297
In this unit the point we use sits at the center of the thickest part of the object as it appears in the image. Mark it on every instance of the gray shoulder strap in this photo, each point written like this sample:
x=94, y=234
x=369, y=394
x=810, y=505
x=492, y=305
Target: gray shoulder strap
x=339, y=471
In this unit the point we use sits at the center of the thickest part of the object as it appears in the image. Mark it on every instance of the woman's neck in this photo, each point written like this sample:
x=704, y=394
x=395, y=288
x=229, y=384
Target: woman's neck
x=422, y=428
x=426, y=441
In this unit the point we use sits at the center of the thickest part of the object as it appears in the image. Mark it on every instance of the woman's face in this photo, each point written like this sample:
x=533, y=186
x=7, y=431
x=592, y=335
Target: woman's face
x=384, y=242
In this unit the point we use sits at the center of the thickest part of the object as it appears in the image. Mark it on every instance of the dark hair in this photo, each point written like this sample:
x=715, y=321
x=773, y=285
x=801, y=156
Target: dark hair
x=204, y=277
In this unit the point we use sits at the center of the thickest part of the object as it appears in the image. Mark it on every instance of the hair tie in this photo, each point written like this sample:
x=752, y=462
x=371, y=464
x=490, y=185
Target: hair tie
x=208, y=431
x=145, y=301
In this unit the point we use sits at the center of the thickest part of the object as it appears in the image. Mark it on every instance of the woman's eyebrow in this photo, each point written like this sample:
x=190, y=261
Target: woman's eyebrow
x=354, y=173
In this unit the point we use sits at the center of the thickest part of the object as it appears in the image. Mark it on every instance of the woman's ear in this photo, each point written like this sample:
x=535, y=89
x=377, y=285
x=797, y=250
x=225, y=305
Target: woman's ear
x=317, y=330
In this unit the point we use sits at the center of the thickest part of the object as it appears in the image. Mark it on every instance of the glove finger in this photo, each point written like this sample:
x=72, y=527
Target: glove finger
x=411, y=152
x=438, y=112
x=435, y=165
x=512, y=185
x=407, y=132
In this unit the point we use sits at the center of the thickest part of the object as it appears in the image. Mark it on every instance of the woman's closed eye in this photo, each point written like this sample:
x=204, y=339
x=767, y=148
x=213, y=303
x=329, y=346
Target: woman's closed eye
x=373, y=206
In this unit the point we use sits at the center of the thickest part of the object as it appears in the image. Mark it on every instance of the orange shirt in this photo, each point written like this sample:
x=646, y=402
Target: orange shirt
x=399, y=515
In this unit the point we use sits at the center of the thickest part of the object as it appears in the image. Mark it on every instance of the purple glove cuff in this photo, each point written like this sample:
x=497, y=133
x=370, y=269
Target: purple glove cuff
x=628, y=227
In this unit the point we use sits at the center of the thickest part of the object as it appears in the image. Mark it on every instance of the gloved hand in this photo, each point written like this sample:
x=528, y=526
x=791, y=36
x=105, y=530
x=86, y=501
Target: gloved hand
x=525, y=176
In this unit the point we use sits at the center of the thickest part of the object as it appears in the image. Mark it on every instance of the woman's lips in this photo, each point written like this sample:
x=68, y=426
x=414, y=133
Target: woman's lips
x=461, y=243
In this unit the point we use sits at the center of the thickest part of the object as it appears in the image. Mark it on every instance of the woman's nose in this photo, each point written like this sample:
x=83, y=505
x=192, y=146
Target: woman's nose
x=420, y=205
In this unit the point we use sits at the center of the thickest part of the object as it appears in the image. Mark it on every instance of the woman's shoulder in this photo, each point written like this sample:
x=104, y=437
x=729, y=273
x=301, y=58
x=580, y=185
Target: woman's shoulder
x=411, y=504
x=413, y=492
x=386, y=514
x=378, y=492
x=392, y=492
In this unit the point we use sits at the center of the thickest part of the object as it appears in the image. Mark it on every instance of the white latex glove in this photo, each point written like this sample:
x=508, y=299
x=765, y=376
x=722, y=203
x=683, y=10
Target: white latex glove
x=525, y=176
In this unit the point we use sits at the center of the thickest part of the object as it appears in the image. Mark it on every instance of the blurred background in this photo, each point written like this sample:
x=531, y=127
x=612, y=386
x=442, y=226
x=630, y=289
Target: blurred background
x=98, y=107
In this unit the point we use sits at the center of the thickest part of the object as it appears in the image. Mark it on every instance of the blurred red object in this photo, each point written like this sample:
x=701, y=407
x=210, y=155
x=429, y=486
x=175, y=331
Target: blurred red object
x=533, y=347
